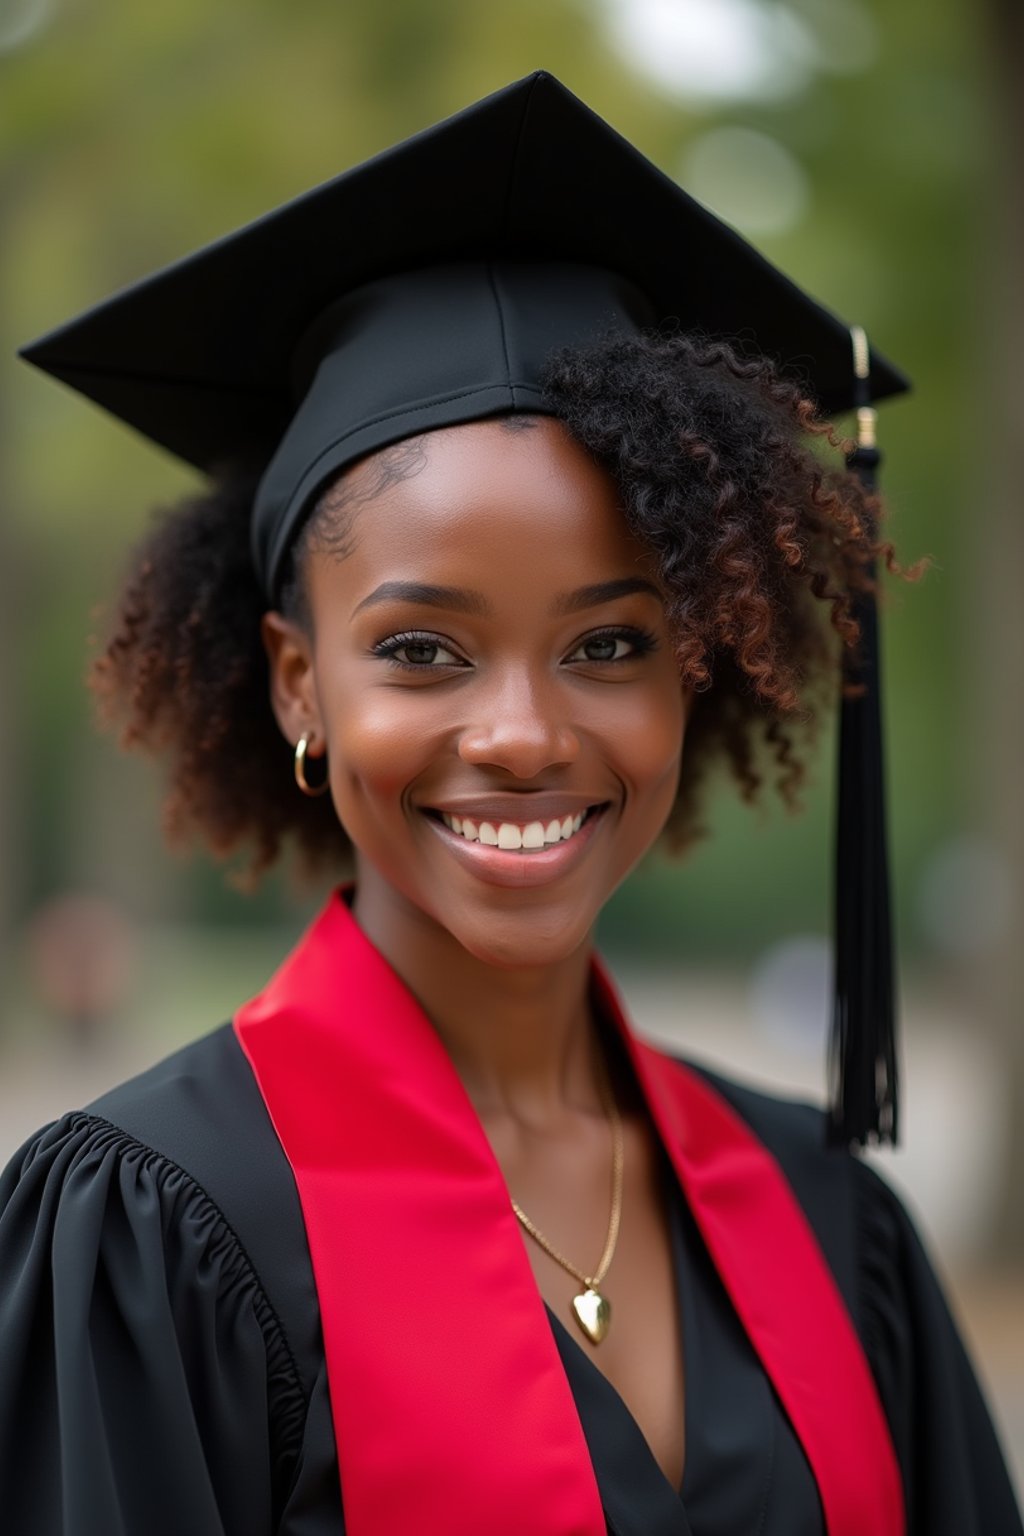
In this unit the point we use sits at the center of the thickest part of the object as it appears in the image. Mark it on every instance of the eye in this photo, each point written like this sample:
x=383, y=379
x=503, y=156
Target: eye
x=417, y=651
x=611, y=645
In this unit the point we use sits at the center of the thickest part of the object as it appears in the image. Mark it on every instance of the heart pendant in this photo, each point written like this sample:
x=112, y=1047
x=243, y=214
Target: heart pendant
x=593, y=1313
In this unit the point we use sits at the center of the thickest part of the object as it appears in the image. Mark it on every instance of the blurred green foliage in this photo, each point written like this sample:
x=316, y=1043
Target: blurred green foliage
x=129, y=134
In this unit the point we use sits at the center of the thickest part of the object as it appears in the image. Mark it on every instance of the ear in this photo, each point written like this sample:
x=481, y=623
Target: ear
x=293, y=695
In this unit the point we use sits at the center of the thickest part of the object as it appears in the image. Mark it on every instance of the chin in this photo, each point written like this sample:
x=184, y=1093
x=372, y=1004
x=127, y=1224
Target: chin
x=511, y=939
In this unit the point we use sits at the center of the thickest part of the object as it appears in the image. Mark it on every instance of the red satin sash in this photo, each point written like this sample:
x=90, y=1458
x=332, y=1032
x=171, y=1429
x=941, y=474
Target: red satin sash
x=452, y=1412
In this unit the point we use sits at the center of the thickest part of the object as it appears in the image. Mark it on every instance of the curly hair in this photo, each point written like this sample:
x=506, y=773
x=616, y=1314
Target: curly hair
x=761, y=548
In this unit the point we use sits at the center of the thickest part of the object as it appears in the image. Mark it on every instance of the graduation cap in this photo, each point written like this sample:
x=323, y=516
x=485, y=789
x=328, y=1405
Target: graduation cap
x=428, y=286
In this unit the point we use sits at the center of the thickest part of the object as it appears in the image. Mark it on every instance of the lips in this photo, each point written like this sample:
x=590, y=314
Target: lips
x=518, y=853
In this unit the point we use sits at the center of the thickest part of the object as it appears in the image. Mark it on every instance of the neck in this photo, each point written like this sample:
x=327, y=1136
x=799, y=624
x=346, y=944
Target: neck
x=522, y=1039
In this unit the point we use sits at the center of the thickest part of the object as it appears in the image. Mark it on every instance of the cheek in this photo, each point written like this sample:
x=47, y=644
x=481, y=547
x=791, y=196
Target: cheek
x=374, y=748
x=648, y=737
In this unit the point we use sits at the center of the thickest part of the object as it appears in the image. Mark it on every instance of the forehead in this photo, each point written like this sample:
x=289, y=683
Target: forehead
x=482, y=494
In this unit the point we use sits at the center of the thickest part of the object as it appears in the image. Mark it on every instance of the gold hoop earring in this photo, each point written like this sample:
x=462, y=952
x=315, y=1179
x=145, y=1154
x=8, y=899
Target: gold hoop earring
x=313, y=790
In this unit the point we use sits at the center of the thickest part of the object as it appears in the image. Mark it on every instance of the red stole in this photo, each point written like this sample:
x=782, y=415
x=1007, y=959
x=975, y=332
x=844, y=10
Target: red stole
x=452, y=1412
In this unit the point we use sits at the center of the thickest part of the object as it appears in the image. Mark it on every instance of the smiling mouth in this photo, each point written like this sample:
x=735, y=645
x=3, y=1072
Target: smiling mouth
x=517, y=837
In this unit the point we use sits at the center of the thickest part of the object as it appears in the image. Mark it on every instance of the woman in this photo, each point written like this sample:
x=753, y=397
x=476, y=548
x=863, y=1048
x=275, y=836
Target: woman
x=516, y=568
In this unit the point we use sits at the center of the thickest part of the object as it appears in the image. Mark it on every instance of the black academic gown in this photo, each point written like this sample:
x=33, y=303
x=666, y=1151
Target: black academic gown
x=163, y=1369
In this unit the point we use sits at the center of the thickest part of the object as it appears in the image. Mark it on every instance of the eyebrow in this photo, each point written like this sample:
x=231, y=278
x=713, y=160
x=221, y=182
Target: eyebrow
x=459, y=600
x=605, y=592
x=455, y=599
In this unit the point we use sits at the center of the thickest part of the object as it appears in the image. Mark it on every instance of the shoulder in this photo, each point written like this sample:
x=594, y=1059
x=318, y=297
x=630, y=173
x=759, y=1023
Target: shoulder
x=172, y=1141
x=857, y=1219
x=130, y=1301
x=184, y=1094
x=790, y=1126
x=201, y=1109
x=164, y=1120
x=796, y=1133
x=187, y=1146
x=114, y=1184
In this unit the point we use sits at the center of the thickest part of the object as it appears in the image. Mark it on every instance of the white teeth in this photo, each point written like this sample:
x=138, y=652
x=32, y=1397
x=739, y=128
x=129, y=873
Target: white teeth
x=510, y=836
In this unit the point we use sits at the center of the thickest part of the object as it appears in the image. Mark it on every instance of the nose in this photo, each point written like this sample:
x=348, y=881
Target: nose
x=519, y=725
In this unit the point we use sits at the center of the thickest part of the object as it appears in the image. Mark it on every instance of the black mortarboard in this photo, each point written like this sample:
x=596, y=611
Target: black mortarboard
x=428, y=286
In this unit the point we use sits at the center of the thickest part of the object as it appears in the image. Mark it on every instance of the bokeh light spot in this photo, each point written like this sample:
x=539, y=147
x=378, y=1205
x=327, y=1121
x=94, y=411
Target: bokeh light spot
x=748, y=179
x=968, y=897
x=789, y=993
x=21, y=21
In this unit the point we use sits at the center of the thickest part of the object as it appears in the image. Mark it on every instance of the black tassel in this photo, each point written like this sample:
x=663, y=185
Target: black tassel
x=863, y=1066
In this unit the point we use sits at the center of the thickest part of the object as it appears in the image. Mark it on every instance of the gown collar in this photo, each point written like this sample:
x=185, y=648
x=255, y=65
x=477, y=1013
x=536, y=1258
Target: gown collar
x=452, y=1410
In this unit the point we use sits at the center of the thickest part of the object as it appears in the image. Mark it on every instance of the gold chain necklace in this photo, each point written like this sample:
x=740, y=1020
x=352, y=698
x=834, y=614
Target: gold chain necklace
x=592, y=1310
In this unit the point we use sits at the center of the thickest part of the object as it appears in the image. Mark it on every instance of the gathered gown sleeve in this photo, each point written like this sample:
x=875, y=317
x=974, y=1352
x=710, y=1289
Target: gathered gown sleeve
x=955, y=1478
x=141, y=1375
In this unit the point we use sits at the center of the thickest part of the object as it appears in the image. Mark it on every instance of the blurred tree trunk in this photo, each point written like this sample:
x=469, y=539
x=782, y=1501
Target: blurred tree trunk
x=998, y=669
x=10, y=736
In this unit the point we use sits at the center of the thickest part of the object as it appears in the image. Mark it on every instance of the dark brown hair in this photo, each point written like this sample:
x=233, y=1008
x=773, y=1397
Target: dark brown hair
x=717, y=459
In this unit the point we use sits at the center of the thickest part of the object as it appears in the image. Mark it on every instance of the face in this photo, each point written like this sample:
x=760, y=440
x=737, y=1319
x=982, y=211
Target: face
x=490, y=673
